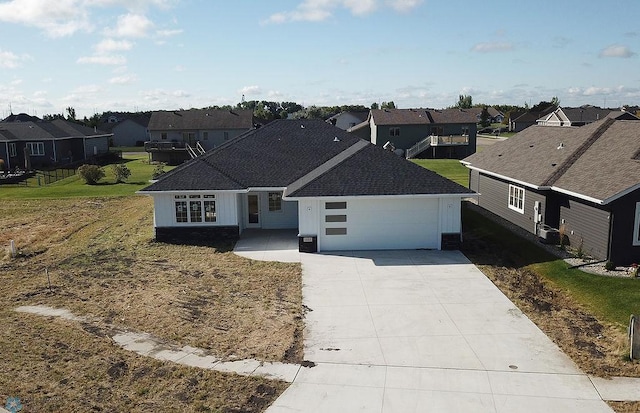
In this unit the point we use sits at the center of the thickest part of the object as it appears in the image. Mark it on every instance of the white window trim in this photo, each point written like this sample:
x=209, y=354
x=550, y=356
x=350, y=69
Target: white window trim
x=188, y=199
x=636, y=226
x=38, y=145
x=269, y=205
x=516, y=189
x=12, y=150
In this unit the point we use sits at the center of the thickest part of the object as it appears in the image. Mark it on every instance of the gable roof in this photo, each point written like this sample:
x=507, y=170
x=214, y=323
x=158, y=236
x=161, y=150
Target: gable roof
x=21, y=117
x=199, y=119
x=46, y=130
x=422, y=116
x=594, y=162
x=309, y=158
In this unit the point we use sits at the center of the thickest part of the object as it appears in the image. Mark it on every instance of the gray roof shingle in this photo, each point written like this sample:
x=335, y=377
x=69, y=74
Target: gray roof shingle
x=594, y=161
x=285, y=151
x=422, y=116
x=45, y=130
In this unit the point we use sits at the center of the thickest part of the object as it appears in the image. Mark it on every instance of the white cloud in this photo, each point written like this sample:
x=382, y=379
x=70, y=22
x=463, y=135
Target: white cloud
x=123, y=80
x=251, y=90
x=102, y=60
x=110, y=45
x=131, y=25
x=490, y=47
x=616, y=51
x=320, y=10
x=57, y=19
x=10, y=60
x=168, y=33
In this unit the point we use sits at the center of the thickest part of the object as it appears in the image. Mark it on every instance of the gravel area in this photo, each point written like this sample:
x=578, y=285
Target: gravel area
x=584, y=264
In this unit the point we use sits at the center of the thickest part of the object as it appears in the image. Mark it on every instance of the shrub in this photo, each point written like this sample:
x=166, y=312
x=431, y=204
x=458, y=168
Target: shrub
x=609, y=266
x=120, y=171
x=91, y=173
x=1, y=164
x=159, y=170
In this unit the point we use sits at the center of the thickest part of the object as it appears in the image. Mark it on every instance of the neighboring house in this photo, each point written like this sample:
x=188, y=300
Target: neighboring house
x=48, y=143
x=495, y=116
x=429, y=133
x=131, y=130
x=521, y=121
x=575, y=116
x=346, y=120
x=584, y=179
x=340, y=192
x=176, y=136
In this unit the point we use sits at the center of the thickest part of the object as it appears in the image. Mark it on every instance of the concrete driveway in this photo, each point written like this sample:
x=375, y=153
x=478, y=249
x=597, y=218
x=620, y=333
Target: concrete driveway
x=415, y=331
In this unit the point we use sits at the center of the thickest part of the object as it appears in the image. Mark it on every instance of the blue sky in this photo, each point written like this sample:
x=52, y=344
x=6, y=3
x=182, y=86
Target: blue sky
x=127, y=55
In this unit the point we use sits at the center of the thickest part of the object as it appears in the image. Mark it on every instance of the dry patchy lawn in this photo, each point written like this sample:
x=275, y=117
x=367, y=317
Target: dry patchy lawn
x=104, y=265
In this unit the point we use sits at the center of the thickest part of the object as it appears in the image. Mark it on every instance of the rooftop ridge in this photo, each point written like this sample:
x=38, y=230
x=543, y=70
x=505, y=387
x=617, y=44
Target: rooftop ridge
x=606, y=124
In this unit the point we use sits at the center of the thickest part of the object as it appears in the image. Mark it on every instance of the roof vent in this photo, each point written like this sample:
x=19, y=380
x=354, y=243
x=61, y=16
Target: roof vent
x=561, y=146
x=336, y=139
x=301, y=126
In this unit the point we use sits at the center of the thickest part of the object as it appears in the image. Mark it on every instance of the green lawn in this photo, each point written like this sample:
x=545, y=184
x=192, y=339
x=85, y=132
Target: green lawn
x=74, y=186
x=449, y=168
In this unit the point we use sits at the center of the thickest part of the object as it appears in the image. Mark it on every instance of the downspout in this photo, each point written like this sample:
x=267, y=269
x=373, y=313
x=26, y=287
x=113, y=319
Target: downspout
x=8, y=156
x=610, y=246
x=84, y=147
x=55, y=155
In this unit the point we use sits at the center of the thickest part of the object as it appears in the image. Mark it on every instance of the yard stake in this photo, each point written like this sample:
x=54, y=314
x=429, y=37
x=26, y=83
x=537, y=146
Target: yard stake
x=46, y=271
x=13, y=249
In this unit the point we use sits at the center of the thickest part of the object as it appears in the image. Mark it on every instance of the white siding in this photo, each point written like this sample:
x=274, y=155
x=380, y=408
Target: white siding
x=450, y=215
x=309, y=217
x=164, y=210
x=383, y=223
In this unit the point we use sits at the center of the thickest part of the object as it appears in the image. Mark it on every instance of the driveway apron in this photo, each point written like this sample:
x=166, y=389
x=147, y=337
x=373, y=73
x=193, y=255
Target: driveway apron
x=423, y=331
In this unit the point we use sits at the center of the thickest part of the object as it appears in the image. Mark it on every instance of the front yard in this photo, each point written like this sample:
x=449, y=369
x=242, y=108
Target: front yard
x=104, y=265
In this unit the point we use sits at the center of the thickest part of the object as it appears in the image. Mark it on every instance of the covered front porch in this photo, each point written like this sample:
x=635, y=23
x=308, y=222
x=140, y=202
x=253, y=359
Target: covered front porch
x=269, y=245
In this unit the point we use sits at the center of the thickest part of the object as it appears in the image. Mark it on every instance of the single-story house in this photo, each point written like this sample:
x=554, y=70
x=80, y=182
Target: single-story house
x=584, y=180
x=519, y=121
x=340, y=192
x=426, y=133
x=29, y=144
x=177, y=136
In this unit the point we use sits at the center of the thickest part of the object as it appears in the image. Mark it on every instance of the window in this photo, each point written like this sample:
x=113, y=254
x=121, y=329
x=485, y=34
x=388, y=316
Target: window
x=516, y=198
x=636, y=226
x=275, y=201
x=205, y=136
x=163, y=136
x=198, y=208
x=335, y=205
x=209, y=208
x=195, y=208
x=181, y=209
x=188, y=137
x=437, y=130
x=35, y=148
x=465, y=131
x=226, y=136
x=336, y=231
x=395, y=131
x=12, y=149
x=335, y=218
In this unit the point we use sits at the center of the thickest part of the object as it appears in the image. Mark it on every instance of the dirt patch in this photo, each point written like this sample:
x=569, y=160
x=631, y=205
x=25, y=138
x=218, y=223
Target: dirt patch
x=104, y=265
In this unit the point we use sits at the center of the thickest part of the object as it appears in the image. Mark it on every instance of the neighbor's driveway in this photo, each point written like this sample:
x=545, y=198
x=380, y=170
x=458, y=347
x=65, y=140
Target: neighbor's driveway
x=415, y=331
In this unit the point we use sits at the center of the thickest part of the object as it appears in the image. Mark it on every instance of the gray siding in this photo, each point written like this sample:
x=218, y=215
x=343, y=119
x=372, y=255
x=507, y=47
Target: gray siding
x=622, y=250
x=586, y=224
x=494, y=196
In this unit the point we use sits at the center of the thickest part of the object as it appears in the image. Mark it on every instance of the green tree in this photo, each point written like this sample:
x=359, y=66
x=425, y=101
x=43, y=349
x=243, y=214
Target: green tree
x=388, y=105
x=465, y=102
x=71, y=114
x=485, y=118
x=374, y=106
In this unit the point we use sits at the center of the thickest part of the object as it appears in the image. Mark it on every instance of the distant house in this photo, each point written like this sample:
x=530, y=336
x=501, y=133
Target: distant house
x=340, y=192
x=176, y=136
x=349, y=119
x=428, y=133
x=520, y=121
x=48, y=143
x=585, y=180
x=21, y=117
x=495, y=116
x=128, y=129
x=574, y=116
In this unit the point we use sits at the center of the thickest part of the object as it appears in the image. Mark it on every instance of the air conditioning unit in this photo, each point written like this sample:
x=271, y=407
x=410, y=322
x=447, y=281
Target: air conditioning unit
x=548, y=235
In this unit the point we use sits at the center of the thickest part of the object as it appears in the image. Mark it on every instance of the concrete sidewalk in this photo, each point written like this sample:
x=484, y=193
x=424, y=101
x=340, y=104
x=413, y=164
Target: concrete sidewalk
x=409, y=331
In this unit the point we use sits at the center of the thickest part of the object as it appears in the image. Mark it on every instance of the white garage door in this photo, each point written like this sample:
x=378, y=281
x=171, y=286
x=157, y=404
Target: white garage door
x=379, y=224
